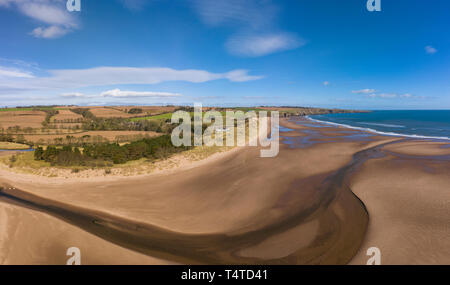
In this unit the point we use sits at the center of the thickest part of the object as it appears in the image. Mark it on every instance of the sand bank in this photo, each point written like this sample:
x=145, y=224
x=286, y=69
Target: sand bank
x=296, y=208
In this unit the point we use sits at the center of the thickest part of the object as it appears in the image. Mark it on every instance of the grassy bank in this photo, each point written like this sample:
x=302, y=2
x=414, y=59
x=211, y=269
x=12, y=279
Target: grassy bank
x=13, y=146
x=26, y=164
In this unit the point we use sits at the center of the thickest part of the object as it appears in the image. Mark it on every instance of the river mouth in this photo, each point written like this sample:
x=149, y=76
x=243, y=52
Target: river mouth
x=320, y=216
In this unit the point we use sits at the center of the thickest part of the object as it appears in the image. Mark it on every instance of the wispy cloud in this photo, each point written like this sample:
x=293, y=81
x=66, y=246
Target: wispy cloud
x=17, y=63
x=430, y=50
x=110, y=76
x=395, y=95
x=117, y=93
x=372, y=93
x=241, y=75
x=8, y=72
x=49, y=32
x=252, y=13
x=52, y=14
x=253, y=45
x=364, y=91
x=256, y=33
x=384, y=95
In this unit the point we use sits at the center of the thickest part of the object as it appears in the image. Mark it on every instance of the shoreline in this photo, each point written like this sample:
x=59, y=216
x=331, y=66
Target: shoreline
x=391, y=134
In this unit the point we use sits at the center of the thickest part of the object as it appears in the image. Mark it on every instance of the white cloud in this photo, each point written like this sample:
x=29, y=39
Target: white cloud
x=122, y=94
x=259, y=45
x=241, y=75
x=393, y=95
x=50, y=32
x=364, y=91
x=430, y=50
x=50, y=12
x=110, y=76
x=7, y=72
x=255, y=23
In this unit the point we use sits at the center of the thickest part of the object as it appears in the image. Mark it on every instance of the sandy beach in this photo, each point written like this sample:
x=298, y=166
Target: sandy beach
x=329, y=195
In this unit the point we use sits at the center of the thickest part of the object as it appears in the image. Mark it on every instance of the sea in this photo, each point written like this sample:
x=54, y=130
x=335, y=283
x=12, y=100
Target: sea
x=434, y=124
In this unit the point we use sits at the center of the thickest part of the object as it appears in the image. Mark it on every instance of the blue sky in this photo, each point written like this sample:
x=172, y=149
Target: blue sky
x=324, y=53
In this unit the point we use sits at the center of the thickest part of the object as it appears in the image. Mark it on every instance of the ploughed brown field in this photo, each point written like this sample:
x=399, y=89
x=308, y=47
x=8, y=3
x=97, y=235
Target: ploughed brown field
x=329, y=195
x=23, y=119
x=148, y=110
x=109, y=112
x=66, y=114
x=122, y=111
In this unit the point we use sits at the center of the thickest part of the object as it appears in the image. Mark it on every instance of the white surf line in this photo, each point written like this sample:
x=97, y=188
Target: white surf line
x=391, y=134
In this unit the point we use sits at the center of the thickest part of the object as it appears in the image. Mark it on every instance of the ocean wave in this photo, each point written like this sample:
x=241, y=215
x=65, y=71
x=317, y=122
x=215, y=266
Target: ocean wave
x=392, y=134
x=383, y=125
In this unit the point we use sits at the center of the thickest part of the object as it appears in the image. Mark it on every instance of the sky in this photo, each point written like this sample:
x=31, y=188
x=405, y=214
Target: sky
x=321, y=53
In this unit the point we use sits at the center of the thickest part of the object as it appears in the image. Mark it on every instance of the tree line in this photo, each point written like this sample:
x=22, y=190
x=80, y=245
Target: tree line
x=49, y=113
x=108, y=153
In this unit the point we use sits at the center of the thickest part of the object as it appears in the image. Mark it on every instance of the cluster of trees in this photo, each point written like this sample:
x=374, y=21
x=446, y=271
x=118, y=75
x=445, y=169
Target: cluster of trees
x=49, y=113
x=122, y=124
x=68, y=121
x=107, y=153
x=6, y=138
x=73, y=141
x=93, y=123
x=84, y=112
x=64, y=127
x=9, y=138
x=86, y=139
x=65, y=156
x=185, y=108
x=117, y=124
x=135, y=111
x=17, y=129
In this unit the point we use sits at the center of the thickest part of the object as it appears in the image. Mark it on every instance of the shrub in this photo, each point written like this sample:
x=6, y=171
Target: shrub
x=135, y=111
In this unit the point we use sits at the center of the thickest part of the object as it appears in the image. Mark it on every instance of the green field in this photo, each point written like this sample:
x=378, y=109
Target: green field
x=168, y=116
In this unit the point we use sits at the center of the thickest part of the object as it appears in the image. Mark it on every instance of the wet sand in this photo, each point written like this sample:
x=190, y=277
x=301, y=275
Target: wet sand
x=296, y=208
